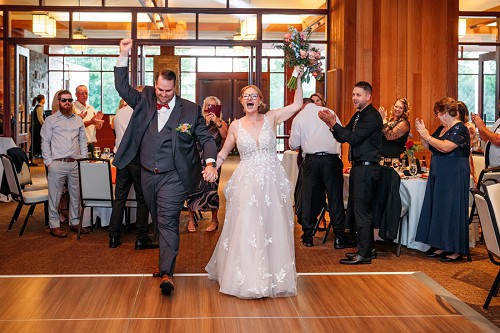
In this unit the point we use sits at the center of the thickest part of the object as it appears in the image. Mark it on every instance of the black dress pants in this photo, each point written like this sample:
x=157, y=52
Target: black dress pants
x=320, y=174
x=125, y=178
x=165, y=195
x=362, y=190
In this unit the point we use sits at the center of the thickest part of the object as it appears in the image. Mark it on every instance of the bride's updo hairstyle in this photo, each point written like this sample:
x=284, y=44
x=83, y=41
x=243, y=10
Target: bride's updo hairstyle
x=262, y=106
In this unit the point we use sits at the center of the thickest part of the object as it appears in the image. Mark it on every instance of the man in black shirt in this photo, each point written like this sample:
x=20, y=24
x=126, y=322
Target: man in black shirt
x=364, y=134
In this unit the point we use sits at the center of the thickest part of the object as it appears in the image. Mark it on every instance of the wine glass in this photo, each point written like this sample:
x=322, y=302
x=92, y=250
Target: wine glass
x=396, y=164
x=107, y=153
x=97, y=152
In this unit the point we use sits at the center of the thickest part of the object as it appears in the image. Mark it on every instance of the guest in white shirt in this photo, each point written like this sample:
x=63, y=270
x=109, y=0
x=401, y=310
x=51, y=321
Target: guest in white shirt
x=320, y=171
x=492, y=153
x=91, y=119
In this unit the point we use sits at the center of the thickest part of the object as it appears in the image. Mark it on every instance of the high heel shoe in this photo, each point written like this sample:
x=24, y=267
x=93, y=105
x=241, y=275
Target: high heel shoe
x=214, y=225
x=191, y=225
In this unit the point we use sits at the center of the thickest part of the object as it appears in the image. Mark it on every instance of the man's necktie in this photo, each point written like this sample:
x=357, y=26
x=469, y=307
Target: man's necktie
x=160, y=105
x=353, y=128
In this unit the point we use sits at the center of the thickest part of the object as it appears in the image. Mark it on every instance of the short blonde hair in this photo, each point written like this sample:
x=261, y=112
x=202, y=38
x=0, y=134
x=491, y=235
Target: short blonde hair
x=206, y=101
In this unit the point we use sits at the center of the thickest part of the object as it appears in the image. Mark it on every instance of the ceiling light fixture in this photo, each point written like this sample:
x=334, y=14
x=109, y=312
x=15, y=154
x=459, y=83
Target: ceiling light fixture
x=44, y=25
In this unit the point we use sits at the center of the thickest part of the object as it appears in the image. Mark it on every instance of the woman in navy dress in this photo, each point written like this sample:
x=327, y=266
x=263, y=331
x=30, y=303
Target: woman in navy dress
x=443, y=219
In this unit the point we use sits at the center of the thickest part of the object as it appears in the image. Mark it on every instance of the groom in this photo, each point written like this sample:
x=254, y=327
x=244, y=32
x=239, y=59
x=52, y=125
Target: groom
x=164, y=129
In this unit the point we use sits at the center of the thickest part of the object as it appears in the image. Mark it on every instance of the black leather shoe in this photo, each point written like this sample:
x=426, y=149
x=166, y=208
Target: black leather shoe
x=114, y=242
x=373, y=254
x=143, y=244
x=341, y=244
x=437, y=255
x=167, y=284
x=356, y=260
x=448, y=259
x=307, y=243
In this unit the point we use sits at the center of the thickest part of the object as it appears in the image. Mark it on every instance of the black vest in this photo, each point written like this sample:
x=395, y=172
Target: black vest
x=156, y=147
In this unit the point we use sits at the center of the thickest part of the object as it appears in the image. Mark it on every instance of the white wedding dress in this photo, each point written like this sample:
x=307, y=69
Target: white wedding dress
x=255, y=254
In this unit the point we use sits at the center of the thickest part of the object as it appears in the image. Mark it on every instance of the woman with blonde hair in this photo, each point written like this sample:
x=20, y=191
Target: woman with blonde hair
x=396, y=128
x=206, y=196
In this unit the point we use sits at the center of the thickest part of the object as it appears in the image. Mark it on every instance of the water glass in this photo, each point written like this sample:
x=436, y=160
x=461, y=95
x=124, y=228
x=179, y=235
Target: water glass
x=396, y=164
x=413, y=166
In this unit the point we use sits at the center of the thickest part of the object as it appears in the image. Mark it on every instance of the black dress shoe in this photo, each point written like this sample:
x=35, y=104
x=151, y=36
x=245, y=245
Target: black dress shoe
x=307, y=243
x=114, y=242
x=342, y=244
x=143, y=244
x=437, y=255
x=167, y=284
x=356, y=260
x=373, y=254
x=447, y=259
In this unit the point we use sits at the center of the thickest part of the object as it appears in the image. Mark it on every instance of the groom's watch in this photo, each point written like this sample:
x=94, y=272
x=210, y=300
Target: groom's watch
x=214, y=164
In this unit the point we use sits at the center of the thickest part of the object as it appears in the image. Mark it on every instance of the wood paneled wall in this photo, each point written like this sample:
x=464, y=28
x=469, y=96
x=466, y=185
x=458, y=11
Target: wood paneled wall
x=404, y=48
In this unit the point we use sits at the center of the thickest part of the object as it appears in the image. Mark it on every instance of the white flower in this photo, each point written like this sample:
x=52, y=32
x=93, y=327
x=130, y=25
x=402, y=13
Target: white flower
x=253, y=242
x=280, y=277
x=225, y=243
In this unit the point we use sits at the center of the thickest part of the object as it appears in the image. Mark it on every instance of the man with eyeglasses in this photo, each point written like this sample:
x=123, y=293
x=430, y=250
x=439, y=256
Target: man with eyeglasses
x=91, y=119
x=63, y=141
x=165, y=129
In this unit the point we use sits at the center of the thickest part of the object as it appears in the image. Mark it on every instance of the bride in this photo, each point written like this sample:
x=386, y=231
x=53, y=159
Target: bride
x=255, y=255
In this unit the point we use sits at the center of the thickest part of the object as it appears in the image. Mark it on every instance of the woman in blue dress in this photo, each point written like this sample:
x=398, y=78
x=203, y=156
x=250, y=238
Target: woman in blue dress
x=443, y=219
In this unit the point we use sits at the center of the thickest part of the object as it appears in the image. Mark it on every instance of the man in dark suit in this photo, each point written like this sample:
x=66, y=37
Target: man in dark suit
x=165, y=129
x=364, y=135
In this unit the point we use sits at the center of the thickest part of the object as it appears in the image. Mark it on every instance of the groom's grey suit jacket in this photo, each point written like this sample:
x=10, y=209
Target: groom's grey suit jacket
x=184, y=153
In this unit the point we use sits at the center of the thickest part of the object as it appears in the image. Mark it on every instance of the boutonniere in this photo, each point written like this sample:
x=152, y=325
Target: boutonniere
x=184, y=128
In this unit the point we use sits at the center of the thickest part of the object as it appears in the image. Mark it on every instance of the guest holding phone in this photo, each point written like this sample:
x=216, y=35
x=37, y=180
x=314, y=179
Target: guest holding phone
x=206, y=195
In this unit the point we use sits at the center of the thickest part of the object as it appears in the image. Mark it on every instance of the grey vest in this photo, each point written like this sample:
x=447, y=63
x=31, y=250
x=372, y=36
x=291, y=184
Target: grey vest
x=156, y=147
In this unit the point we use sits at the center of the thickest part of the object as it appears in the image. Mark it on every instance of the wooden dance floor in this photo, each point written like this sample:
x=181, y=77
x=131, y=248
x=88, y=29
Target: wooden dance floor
x=380, y=302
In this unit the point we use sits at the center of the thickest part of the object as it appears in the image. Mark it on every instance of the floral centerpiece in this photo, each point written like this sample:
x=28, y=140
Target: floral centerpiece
x=411, y=148
x=298, y=52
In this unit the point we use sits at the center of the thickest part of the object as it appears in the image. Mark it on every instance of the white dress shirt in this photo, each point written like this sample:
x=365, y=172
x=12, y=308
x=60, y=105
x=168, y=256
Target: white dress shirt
x=495, y=150
x=311, y=133
x=164, y=113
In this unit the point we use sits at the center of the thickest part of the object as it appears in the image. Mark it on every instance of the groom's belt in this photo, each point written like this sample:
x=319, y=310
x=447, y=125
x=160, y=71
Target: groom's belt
x=155, y=170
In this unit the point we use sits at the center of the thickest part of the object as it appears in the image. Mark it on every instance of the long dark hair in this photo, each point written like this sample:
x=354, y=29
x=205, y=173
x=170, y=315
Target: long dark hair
x=37, y=100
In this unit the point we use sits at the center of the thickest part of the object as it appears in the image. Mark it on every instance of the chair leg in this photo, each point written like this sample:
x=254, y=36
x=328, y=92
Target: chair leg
x=400, y=228
x=46, y=212
x=16, y=215
x=327, y=231
x=80, y=223
x=30, y=212
x=493, y=291
x=320, y=217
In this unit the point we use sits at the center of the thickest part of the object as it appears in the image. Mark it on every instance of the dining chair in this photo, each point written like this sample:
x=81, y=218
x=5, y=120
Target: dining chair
x=96, y=188
x=488, y=209
x=31, y=198
x=484, y=174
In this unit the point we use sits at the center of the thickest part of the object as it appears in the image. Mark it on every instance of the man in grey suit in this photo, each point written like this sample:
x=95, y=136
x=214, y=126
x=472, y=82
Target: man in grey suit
x=164, y=128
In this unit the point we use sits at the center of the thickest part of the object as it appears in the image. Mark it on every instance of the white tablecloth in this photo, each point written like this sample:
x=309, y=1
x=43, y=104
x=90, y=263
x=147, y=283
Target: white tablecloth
x=412, y=192
x=5, y=144
x=289, y=162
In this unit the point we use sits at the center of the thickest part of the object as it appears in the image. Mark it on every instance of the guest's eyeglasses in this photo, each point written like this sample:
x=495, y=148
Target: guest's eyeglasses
x=64, y=100
x=253, y=96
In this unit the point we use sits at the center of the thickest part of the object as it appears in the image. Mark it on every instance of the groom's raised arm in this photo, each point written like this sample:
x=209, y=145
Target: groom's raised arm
x=125, y=90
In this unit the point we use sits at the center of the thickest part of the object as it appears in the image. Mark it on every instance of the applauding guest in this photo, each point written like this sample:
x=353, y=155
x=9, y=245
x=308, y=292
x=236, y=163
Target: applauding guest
x=443, y=220
x=396, y=128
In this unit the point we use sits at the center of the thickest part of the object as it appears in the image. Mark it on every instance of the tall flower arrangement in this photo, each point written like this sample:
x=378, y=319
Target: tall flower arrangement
x=298, y=52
